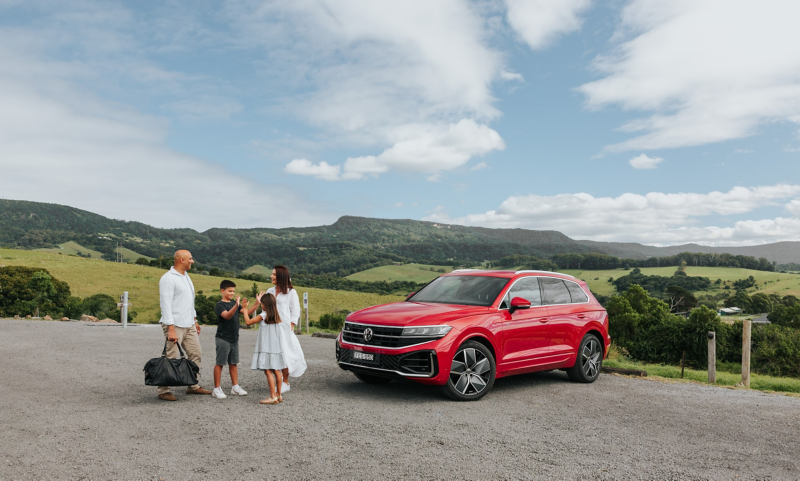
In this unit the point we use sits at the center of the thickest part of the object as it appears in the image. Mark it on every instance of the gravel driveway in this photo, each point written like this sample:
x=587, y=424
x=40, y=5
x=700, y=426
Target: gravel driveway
x=74, y=406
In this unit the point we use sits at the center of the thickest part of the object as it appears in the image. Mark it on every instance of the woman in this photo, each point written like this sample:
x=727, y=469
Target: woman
x=289, y=310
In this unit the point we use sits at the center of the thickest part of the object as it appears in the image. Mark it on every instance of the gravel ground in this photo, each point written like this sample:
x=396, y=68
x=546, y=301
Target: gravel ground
x=74, y=406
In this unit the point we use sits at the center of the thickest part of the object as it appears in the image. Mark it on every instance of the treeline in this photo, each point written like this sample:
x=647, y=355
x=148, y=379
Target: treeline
x=595, y=261
x=646, y=329
x=341, y=284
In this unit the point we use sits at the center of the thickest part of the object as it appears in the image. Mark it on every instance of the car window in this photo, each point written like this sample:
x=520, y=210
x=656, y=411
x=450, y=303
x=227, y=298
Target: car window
x=465, y=290
x=526, y=288
x=577, y=294
x=554, y=290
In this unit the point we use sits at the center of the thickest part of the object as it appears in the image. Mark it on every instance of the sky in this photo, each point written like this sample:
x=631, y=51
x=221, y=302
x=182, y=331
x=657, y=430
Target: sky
x=629, y=121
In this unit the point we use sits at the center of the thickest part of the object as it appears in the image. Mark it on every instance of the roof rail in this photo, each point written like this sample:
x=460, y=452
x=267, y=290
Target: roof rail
x=464, y=270
x=545, y=272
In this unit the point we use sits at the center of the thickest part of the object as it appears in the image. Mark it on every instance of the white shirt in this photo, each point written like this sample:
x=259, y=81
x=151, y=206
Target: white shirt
x=176, y=292
x=288, y=306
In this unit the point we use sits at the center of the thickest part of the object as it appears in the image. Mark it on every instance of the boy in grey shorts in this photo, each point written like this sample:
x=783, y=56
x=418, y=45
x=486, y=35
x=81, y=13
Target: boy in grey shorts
x=227, y=339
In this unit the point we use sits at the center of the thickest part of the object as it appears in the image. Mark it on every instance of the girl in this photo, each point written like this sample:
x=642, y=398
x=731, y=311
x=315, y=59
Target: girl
x=268, y=356
x=289, y=310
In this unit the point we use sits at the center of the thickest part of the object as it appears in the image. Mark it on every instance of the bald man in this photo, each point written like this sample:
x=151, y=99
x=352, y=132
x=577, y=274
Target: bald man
x=178, y=317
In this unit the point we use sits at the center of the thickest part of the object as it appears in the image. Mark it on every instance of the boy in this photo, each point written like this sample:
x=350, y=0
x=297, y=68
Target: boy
x=227, y=339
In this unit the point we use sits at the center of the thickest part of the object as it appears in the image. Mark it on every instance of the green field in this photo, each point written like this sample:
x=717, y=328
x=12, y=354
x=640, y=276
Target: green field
x=89, y=276
x=72, y=248
x=767, y=282
x=258, y=269
x=405, y=272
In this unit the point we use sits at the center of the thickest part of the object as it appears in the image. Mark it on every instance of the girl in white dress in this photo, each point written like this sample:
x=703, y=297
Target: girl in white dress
x=289, y=310
x=268, y=356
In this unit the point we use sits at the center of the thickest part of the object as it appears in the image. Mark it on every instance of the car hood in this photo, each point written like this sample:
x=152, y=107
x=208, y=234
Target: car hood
x=413, y=314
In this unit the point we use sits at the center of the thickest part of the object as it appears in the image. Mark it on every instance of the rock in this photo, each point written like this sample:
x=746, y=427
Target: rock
x=16, y=316
x=65, y=319
x=28, y=316
x=47, y=318
x=86, y=318
x=109, y=321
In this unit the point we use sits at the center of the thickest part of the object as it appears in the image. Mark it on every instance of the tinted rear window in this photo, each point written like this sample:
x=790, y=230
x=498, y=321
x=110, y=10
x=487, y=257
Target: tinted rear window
x=554, y=290
x=578, y=296
x=464, y=290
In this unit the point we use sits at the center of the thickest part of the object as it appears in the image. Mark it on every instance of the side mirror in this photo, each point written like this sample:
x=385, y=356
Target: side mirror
x=410, y=294
x=519, y=303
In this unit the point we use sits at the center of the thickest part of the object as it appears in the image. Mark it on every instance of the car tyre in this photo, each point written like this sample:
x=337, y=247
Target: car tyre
x=588, y=362
x=472, y=372
x=370, y=379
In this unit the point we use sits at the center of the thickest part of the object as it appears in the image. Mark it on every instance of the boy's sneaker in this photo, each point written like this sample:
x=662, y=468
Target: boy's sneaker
x=284, y=388
x=237, y=389
x=217, y=393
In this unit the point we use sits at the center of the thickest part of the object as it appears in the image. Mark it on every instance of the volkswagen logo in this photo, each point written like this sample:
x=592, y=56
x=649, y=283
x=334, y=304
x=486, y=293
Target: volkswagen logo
x=367, y=334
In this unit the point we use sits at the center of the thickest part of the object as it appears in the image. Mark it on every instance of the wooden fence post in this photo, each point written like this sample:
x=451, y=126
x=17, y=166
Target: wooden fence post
x=683, y=363
x=746, y=327
x=712, y=357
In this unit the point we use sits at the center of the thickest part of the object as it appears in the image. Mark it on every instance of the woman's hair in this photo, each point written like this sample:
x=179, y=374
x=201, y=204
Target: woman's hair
x=271, y=308
x=282, y=281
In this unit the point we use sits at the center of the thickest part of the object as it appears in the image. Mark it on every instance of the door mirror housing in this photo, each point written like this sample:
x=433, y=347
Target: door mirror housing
x=519, y=303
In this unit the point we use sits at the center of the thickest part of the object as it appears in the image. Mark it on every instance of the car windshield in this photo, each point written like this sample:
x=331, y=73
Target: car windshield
x=466, y=290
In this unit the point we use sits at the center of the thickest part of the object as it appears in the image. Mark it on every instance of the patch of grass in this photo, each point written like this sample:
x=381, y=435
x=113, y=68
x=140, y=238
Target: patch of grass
x=72, y=248
x=258, y=269
x=405, y=272
x=131, y=256
x=89, y=276
x=757, y=381
x=767, y=282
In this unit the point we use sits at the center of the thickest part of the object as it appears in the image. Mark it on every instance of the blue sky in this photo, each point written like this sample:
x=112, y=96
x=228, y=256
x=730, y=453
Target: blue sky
x=653, y=122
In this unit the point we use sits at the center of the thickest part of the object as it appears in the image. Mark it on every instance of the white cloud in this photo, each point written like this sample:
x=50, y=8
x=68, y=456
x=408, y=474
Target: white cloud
x=398, y=204
x=393, y=76
x=654, y=218
x=320, y=171
x=705, y=71
x=63, y=144
x=479, y=166
x=539, y=22
x=644, y=162
x=742, y=151
x=427, y=149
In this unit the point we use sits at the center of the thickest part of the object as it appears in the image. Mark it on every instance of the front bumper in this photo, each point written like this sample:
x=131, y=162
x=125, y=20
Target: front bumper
x=420, y=364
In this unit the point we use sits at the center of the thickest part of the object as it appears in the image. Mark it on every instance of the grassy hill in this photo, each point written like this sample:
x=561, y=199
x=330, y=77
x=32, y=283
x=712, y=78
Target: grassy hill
x=767, y=282
x=89, y=276
x=73, y=248
x=258, y=269
x=405, y=272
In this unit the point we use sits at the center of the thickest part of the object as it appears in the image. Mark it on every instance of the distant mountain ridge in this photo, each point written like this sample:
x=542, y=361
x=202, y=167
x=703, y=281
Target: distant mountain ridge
x=348, y=245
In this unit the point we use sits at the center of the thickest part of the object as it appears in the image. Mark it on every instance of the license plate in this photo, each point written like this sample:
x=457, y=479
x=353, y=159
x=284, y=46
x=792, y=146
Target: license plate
x=365, y=357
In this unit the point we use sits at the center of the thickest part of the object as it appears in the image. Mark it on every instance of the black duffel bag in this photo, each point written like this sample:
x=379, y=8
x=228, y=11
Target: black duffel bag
x=161, y=371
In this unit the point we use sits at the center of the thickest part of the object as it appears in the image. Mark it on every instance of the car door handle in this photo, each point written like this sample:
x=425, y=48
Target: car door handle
x=581, y=316
x=543, y=319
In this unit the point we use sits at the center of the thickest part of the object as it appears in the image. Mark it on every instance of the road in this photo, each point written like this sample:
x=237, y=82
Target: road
x=75, y=407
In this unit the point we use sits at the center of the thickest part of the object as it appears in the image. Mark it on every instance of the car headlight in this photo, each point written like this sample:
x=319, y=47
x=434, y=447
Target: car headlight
x=426, y=331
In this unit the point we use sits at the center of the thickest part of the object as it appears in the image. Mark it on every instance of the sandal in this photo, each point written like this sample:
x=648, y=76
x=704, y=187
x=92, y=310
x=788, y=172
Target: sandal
x=280, y=399
x=272, y=400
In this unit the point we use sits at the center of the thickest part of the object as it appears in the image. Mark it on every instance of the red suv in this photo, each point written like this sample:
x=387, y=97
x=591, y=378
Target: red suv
x=467, y=328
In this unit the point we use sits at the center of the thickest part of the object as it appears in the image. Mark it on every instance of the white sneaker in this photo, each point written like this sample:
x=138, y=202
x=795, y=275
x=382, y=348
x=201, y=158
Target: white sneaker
x=284, y=388
x=217, y=393
x=237, y=389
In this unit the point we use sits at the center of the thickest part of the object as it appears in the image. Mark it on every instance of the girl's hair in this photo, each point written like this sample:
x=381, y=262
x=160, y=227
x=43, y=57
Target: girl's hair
x=282, y=281
x=271, y=308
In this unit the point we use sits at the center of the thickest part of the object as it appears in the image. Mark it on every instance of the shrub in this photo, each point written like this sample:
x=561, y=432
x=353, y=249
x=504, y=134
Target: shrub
x=333, y=321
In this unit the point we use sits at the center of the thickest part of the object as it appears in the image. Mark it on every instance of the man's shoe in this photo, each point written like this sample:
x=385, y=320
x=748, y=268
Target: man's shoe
x=217, y=393
x=198, y=391
x=167, y=396
x=237, y=389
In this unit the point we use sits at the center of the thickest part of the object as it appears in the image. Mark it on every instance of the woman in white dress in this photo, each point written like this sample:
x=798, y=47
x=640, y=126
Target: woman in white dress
x=289, y=310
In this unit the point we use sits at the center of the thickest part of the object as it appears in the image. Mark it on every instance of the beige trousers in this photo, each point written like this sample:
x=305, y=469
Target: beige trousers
x=190, y=342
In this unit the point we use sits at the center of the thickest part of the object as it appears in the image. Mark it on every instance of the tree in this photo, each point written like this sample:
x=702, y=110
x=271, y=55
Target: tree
x=42, y=285
x=760, y=303
x=680, y=299
x=142, y=262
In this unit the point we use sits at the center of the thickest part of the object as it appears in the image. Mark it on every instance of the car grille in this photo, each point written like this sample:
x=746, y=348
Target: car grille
x=389, y=337
x=417, y=362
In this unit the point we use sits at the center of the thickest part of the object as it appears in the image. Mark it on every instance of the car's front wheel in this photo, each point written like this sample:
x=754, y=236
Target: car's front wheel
x=370, y=379
x=472, y=372
x=589, y=360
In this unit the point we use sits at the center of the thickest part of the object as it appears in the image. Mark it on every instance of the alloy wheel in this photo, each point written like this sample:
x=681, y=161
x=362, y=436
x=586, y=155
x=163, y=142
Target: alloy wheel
x=591, y=358
x=470, y=371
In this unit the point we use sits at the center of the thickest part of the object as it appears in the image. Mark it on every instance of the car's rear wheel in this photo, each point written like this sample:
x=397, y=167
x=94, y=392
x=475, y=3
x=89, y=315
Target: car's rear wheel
x=370, y=379
x=472, y=372
x=589, y=360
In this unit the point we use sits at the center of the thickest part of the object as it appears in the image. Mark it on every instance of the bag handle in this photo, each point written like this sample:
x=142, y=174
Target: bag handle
x=180, y=349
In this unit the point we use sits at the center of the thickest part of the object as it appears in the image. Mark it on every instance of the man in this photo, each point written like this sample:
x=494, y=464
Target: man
x=178, y=317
